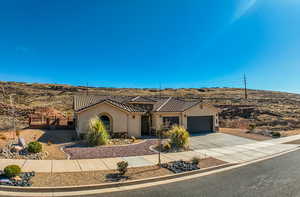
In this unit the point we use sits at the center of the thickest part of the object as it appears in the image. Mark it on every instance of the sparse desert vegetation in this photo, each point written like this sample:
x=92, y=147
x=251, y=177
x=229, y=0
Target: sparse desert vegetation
x=267, y=110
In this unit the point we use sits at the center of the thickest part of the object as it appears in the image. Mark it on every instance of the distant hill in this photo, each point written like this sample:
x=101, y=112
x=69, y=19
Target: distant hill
x=266, y=109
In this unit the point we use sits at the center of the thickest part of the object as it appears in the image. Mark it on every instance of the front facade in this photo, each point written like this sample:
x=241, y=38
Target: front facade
x=142, y=116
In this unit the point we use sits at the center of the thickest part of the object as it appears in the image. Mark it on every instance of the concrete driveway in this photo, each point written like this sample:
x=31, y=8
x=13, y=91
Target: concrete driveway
x=216, y=140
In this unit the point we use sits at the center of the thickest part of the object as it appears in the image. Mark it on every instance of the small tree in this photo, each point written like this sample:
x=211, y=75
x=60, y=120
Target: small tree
x=97, y=134
x=122, y=167
x=179, y=137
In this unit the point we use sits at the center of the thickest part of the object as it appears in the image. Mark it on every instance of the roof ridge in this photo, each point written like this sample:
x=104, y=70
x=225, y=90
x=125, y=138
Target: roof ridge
x=164, y=103
x=135, y=98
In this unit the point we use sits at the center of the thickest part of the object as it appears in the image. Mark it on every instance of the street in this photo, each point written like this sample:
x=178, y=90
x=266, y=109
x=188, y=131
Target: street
x=277, y=177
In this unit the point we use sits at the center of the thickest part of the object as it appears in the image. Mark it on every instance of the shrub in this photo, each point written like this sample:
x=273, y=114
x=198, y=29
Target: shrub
x=252, y=127
x=179, y=137
x=275, y=134
x=195, y=160
x=122, y=167
x=97, y=134
x=35, y=147
x=167, y=146
x=12, y=171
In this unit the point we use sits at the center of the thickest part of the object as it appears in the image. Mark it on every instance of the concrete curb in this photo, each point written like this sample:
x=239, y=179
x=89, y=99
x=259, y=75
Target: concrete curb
x=110, y=185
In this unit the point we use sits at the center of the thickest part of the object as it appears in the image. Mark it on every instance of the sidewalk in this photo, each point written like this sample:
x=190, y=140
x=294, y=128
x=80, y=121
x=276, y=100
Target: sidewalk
x=232, y=154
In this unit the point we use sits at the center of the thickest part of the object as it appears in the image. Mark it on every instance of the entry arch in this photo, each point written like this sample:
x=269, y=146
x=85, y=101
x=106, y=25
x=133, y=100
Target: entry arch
x=107, y=120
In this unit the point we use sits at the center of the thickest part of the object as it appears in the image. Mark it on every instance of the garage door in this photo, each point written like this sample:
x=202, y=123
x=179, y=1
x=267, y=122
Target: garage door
x=200, y=124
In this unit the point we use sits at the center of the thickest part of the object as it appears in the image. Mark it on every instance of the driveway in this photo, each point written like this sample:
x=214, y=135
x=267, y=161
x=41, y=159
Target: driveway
x=216, y=140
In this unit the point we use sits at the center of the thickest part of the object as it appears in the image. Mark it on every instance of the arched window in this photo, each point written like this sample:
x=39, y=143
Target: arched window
x=106, y=121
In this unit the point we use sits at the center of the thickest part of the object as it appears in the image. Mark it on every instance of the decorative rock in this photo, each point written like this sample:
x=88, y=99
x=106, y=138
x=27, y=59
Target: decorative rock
x=5, y=181
x=115, y=177
x=21, y=142
x=12, y=151
x=180, y=166
x=16, y=149
x=17, y=178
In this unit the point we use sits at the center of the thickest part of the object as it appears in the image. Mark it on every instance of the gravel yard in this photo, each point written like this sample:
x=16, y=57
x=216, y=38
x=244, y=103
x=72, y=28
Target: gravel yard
x=93, y=177
x=81, y=151
x=55, y=138
x=98, y=177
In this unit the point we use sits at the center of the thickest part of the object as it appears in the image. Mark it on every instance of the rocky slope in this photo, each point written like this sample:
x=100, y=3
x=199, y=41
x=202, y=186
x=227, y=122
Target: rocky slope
x=266, y=109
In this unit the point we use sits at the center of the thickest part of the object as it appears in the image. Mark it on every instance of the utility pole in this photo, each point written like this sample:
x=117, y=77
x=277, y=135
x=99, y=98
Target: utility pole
x=245, y=87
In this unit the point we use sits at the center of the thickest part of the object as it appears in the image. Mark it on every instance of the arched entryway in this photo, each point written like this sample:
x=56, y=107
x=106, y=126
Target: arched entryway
x=107, y=121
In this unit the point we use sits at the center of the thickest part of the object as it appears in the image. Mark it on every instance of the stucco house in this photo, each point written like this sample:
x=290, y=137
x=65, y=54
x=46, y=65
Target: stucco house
x=142, y=116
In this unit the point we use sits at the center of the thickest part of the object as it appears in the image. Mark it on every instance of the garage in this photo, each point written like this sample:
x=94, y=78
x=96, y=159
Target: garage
x=200, y=124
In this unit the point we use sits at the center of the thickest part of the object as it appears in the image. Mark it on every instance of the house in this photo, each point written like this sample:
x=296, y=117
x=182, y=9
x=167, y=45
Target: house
x=142, y=116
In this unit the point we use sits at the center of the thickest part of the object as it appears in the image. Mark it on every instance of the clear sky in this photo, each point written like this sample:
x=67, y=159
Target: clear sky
x=142, y=43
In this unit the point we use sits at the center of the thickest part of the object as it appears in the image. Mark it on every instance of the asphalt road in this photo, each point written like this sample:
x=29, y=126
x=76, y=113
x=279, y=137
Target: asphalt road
x=277, y=177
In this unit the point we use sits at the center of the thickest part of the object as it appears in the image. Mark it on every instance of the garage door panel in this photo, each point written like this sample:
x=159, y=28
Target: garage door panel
x=198, y=124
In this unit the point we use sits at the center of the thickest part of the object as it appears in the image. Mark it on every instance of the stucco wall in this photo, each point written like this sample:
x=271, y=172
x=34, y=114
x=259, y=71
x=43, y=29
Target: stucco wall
x=200, y=110
x=134, y=125
x=122, y=121
x=197, y=110
x=157, y=120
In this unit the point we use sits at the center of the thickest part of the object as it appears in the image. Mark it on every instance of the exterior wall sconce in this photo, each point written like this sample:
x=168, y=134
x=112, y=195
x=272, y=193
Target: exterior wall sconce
x=133, y=116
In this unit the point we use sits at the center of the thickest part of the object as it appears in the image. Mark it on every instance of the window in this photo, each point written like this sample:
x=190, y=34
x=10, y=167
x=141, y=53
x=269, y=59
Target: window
x=170, y=121
x=106, y=121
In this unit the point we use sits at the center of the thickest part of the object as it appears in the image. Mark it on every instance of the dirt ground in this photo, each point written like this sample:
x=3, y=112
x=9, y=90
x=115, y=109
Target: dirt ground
x=98, y=177
x=52, y=140
x=289, y=133
x=242, y=133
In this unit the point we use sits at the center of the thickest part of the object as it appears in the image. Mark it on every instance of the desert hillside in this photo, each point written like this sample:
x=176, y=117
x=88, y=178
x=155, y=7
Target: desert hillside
x=266, y=109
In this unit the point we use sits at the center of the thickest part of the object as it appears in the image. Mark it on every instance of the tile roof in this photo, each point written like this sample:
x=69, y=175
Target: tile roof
x=83, y=102
x=142, y=99
x=174, y=105
x=160, y=105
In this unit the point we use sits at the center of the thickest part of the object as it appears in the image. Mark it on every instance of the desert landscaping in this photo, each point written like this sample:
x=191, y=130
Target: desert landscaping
x=45, y=131
x=267, y=110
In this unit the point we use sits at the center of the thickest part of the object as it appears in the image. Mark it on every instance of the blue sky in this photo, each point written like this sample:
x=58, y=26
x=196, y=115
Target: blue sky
x=139, y=43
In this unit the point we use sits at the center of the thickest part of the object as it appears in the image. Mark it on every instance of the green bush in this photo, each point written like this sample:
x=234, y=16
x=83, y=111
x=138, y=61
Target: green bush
x=122, y=167
x=275, y=134
x=195, y=160
x=179, y=137
x=97, y=134
x=35, y=147
x=166, y=146
x=252, y=127
x=12, y=171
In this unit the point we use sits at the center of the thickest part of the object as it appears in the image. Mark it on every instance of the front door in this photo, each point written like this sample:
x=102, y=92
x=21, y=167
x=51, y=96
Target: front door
x=145, y=121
